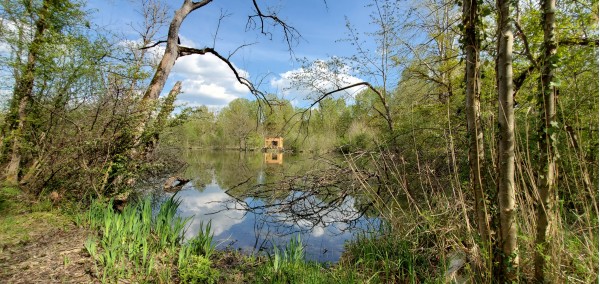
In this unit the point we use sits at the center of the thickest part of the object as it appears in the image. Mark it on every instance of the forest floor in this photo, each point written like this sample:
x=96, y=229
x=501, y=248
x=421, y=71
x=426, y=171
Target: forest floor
x=40, y=243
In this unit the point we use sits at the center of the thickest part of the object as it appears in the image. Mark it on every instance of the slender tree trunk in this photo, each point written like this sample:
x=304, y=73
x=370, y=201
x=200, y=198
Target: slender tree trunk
x=474, y=129
x=506, y=144
x=166, y=64
x=14, y=165
x=23, y=93
x=549, y=128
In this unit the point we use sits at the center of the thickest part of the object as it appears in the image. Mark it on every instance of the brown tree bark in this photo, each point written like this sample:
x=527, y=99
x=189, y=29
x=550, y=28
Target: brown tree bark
x=166, y=63
x=23, y=92
x=472, y=46
x=548, y=130
x=172, y=49
x=506, y=144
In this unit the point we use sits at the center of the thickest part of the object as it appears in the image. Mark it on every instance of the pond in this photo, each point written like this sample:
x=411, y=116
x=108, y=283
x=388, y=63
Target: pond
x=256, y=200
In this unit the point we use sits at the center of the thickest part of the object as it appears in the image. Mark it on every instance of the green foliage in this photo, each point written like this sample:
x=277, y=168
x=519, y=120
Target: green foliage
x=388, y=259
x=202, y=243
x=135, y=240
x=360, y=142
x=78, y=134
x=288, y=266
x=198, y=270
x=78, y=138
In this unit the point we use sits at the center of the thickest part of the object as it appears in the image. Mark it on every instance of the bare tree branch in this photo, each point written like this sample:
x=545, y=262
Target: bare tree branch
x=196, y=5
x=290, y=33
x=155, y=44
x=523, y=37
x=222, y=16
x=240, y=47
x=184, y=51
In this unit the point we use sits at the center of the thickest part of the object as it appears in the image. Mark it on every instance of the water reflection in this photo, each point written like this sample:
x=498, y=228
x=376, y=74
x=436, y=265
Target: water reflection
x=253, y=204
x=273, y=158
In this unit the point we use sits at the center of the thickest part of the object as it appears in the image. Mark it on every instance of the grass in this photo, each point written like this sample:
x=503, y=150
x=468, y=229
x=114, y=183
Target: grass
x=144, y=244
x=140, y=245
x=288, y=265
x=21, y=218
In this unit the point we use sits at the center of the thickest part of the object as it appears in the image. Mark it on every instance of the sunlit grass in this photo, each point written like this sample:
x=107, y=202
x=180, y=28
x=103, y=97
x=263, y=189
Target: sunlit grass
x=288, y=265
x=20, y=219
x=141, y=244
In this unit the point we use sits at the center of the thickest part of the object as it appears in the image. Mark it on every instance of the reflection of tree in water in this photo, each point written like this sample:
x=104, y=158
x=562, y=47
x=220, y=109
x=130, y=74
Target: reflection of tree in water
x=290, y=202
x=317, y=197
x=228, y=168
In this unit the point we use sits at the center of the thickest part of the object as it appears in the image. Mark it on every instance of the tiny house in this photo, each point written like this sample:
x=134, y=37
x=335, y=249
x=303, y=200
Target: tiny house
x=274, y=143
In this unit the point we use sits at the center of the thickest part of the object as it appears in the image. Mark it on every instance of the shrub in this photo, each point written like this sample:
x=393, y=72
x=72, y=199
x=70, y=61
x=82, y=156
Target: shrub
x=197, y=270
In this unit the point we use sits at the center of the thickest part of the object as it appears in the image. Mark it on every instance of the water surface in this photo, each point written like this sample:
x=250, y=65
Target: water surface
x=256, y=200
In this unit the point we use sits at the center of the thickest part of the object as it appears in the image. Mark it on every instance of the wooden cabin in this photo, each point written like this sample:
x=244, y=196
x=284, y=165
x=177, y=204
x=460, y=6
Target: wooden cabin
x=274, y=143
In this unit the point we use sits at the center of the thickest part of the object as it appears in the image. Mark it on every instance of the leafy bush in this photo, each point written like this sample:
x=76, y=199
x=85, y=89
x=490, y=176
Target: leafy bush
x=198, y=270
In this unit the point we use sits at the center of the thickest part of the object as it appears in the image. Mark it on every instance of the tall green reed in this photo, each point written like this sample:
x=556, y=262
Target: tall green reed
x=140, y=242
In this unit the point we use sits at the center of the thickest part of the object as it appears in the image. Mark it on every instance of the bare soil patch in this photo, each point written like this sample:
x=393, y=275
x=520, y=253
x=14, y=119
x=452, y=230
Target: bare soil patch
x=55, y=255
x=40, y=245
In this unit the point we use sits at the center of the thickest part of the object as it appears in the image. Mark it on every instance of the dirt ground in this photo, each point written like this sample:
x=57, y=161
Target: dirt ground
x=50, y=256
x=40, y=245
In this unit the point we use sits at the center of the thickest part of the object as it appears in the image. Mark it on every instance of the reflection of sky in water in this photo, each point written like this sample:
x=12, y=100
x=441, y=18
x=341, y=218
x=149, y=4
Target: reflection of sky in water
x=250, y=230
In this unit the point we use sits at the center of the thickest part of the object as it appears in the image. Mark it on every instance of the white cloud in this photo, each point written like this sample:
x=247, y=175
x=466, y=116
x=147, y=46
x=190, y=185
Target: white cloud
x=202, y=206
x=309, y=83
x=206, y=80
x=154, y=54
x=185, y=41
x=5, y=96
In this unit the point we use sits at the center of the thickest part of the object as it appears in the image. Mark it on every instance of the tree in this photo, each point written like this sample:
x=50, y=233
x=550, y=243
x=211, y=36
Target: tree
x=377, y=65
x=239, y=121
x=50, y=18
x=548, y=137
x=326, y=77
x=174, y=50
x=23, y=90
x=506, y=144
x=277, y=119
x=471, y=21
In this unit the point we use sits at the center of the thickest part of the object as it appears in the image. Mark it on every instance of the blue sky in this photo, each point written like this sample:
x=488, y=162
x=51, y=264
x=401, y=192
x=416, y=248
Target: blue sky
x=206, y=81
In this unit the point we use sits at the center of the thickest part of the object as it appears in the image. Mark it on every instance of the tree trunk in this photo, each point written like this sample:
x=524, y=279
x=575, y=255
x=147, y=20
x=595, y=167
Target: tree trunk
x=506, y=144
x=474, y=131
x=166, y=64
x=23, y=93
x=549, y=128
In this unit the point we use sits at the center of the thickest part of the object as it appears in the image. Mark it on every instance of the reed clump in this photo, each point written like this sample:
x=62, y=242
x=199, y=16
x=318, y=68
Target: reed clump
x=145, y=244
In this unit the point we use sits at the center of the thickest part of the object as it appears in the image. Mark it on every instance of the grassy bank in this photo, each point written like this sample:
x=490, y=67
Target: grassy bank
x=39, y=242
x=43, y=242
x=21, y=217
x=137, y=245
